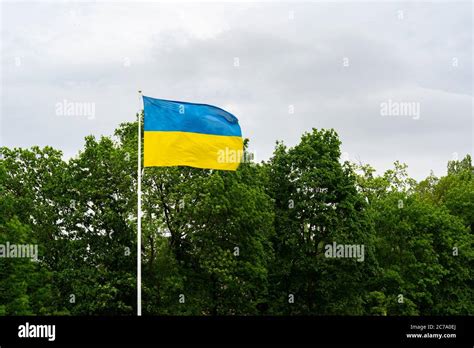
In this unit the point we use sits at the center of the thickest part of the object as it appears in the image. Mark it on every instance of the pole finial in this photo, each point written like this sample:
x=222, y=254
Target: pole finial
x=139, y=92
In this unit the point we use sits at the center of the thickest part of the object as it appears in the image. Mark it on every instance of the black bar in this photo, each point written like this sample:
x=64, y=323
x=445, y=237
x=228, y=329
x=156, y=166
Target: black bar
x=312, y=330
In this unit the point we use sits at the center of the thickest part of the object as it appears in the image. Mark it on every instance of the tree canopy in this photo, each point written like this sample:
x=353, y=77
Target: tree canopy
x=250, y=242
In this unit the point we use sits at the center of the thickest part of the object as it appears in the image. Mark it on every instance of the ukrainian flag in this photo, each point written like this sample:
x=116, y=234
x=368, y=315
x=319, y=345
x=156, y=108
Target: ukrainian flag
x=188, y=134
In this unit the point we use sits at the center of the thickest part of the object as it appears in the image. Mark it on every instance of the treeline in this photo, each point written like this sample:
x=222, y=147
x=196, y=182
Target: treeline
x=250, y=242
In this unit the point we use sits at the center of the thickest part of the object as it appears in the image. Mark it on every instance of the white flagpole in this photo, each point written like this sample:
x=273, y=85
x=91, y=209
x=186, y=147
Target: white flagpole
x=139, y=216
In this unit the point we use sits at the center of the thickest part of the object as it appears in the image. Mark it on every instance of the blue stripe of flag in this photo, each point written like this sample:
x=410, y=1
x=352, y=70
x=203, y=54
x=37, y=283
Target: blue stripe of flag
x=174, y=116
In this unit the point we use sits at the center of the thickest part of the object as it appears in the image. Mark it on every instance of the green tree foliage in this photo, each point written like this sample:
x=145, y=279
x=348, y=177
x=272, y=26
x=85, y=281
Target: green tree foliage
x=423, y=249
x=30, y=184
x=316, y=204
x=250, y=242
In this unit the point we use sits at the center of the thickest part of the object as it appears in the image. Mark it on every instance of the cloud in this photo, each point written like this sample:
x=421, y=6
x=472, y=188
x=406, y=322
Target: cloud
x=333, y=64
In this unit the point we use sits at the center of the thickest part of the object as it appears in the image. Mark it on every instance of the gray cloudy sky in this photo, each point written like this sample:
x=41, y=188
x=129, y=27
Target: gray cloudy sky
x=333, y=63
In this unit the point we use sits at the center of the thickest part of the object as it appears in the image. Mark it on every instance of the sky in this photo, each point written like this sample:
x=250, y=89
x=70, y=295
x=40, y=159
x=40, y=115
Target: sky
x=394, y=79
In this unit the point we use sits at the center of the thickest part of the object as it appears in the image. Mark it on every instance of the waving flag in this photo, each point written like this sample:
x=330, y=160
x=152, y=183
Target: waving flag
x=188, y=134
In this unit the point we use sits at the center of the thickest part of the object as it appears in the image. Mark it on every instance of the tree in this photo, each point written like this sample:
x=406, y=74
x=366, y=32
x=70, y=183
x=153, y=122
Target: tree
x=250, y=242
x=419, y=271
x=206, y=238
x=316, y=204
x=30, y=181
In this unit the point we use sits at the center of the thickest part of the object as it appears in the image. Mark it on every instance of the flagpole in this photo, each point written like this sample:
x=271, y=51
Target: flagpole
x=139, y=215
